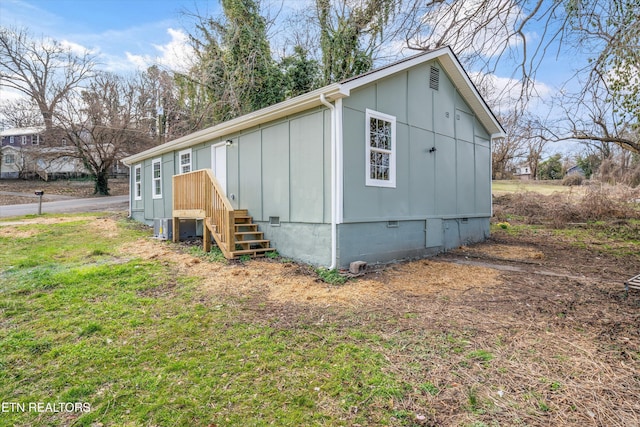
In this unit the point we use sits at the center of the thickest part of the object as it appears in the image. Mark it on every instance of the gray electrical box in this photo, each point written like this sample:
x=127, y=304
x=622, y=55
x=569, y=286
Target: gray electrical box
x=163, y=228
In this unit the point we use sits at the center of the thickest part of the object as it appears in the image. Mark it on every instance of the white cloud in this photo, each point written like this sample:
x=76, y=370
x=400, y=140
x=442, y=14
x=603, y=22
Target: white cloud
x=77, y=49
x=477, y=27
x=176, y=55
x=505, y=93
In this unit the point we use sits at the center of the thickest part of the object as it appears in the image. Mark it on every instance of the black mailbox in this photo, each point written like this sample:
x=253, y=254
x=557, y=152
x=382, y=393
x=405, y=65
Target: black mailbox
x=39, y=192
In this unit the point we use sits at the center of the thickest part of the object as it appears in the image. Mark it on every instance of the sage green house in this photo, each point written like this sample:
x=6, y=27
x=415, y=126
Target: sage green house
x=392, y=164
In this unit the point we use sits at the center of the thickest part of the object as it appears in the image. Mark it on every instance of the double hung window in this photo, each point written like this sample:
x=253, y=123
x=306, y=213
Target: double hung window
x=156, y=171
x=381, y=149
x=138, y=182
x=185, y=161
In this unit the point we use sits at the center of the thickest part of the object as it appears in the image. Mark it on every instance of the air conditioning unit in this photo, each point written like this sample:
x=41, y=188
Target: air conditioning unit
x=163, y=228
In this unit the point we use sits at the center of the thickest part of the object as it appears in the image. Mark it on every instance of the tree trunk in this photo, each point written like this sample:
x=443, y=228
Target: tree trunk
x=101, y=183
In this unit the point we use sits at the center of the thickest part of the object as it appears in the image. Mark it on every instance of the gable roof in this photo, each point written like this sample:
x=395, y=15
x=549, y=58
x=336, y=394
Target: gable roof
x=332, y=92
x=22, y=131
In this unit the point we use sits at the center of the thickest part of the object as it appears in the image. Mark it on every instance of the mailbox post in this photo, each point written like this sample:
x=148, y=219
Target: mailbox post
x=39, y=193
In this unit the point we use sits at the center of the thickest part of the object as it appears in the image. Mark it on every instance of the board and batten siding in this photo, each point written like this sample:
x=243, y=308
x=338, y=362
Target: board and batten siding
x=282, y=169
x=149, y=207
x=453, y=181
x=279, y=169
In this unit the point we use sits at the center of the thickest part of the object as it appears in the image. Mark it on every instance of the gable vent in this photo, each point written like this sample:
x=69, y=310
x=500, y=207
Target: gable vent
x=434, y=78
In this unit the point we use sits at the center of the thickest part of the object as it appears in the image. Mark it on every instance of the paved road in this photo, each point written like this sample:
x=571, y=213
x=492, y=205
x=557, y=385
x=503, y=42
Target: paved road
x=96, y=204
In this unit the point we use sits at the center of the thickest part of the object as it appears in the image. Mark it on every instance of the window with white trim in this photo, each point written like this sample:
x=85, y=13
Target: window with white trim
x=35, y=139
x=381, y=149
x=12, y=139
x=9, y=159
x=24, y=140
x=156, y=175
x=185, y=160
x=137, y=173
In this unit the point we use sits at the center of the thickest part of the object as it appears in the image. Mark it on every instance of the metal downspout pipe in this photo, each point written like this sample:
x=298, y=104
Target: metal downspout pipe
x=334, y=233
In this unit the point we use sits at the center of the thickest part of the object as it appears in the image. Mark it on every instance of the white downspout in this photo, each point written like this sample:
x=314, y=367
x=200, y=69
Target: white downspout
x=334, y=233
x=131, y=177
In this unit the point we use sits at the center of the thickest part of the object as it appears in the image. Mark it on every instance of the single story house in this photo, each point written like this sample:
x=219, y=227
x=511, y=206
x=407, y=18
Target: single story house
x=25, y=153
x=523, y=172
x=392, y=164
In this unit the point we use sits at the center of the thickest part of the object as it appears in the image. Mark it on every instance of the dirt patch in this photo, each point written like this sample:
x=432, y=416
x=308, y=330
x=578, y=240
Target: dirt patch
x=101, y=226
x=294, y=283
x=502, y=251
x=105, y=227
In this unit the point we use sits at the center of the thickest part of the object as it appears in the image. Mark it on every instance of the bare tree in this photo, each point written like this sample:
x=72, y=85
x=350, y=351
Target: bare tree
x=105, y=122
x=505, y=152
x=20, y=113
x=592, y=118
x=44, y=70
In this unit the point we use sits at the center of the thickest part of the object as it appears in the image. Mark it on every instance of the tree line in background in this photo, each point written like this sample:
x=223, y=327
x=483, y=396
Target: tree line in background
x=236, y=69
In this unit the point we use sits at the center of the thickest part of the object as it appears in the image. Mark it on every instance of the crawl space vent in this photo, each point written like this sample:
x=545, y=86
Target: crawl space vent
x=434, y=78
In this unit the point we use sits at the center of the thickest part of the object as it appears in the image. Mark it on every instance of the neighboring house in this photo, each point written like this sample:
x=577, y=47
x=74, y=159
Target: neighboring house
x=575, y=170
x=25, y=153
x=392, y=164
x=523, y=172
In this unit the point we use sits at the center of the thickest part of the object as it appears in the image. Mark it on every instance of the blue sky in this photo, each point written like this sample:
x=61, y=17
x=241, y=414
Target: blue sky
x=130, y=35
x=125, y=34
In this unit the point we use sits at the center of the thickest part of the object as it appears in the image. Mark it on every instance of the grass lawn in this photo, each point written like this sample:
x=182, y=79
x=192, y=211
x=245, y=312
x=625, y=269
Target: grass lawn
x=83, y=322
x=543, y=187
x=130, y=331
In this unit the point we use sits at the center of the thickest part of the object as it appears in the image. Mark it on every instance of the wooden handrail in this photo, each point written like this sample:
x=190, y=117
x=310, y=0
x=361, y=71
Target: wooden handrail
x=198, y=194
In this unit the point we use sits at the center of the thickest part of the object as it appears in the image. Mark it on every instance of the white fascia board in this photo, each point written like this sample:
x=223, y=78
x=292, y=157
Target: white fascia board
x=22, y=131
x=470, y=94
x=375, y=75
x=454, y=69
x=285, y=108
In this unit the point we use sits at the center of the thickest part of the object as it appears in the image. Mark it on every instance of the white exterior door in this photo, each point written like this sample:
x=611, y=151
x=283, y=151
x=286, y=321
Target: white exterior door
x=219, y=164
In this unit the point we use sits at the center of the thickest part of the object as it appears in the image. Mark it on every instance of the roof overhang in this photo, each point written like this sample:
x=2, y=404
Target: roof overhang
x=456, y=73
x=335, y=91
x=277, y=111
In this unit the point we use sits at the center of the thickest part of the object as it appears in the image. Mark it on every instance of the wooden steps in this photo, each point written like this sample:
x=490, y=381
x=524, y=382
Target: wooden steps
x=248, y=240
x=198, y=195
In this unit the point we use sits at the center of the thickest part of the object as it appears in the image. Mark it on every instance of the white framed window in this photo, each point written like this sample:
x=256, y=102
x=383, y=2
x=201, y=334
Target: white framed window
x=137, y=187
x=24, y=140
x=184, y=158
x=9, y=159
x=156, y=175
x=380, y=149
x=12, y=139
x=35, y=139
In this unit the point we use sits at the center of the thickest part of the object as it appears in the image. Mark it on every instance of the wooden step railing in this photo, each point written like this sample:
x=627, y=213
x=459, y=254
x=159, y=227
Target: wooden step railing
x=198, y=194
x=42, y=173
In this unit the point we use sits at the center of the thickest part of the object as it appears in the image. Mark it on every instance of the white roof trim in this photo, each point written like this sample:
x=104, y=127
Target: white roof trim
x=335, y=91
x=454, y=70
x=276, y=111
x=22, y=131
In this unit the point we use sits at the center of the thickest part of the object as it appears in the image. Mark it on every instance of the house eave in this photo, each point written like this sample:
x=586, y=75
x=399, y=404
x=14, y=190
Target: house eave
x=335, y=91
x=452, y=66
x=283, y=109
x=34, y=130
